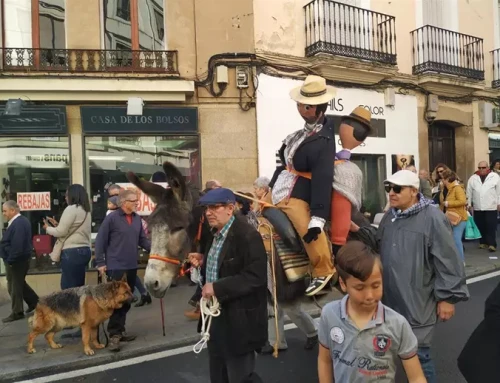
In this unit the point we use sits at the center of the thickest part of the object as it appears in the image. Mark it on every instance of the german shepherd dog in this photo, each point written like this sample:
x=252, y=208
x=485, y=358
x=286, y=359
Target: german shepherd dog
x=86, y=307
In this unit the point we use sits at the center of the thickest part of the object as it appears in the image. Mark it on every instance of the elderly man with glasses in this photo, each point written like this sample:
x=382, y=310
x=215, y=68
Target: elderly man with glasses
x=116, y=255
x=234, y=270
x=423, y=274
x=483, y=194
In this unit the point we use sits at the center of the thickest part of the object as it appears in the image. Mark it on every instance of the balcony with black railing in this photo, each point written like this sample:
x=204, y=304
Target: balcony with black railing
x=344, y=30
x=495, y=58
x=89, y=60
x=443, y=51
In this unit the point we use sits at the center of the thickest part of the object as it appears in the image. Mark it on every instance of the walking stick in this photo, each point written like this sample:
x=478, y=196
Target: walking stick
x=162, y=316
x=274, y=293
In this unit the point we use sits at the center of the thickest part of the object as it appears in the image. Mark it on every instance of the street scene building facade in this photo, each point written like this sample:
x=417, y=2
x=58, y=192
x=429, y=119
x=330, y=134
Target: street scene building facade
x=93, y=92
x=440, y=54
x=209, y=85
x=79, y=66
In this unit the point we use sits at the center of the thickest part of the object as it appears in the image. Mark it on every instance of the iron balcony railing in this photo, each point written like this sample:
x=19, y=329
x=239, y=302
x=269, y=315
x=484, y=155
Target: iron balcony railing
x=349, y=31
x=443, y=51
x=495, y=56
x=89, y=60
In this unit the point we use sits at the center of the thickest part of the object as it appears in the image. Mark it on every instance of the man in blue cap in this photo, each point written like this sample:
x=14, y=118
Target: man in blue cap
x=234, y=270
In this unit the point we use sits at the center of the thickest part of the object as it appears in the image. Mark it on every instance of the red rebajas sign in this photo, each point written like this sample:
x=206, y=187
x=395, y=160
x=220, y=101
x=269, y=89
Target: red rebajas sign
x=34, y=201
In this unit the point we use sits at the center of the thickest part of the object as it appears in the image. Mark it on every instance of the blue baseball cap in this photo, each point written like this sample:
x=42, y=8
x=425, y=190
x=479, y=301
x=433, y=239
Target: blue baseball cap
x=218, y=196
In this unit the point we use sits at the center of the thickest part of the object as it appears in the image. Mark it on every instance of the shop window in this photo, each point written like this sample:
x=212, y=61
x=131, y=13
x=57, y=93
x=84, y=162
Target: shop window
x=29, y=166
x=373, y=167
x=109, y=158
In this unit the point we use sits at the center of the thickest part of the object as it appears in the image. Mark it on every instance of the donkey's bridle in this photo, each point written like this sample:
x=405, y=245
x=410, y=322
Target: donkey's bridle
x=165, y=259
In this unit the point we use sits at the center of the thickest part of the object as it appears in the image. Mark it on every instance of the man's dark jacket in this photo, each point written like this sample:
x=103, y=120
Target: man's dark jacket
x=16, y=244
x=241, y=290
x=315, y=155
x=479, y=361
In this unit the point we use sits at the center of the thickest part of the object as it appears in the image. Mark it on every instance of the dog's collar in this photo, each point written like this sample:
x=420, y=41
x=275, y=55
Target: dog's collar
x=165, y=259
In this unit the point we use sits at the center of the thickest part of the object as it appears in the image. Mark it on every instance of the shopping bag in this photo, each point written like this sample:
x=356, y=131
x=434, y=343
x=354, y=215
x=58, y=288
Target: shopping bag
x=471, y=230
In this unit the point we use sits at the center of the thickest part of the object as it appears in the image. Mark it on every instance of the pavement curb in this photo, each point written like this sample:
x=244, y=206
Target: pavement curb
x=106, y=358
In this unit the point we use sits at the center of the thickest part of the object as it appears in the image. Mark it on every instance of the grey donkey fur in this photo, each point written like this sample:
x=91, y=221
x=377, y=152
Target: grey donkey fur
x=170, y=224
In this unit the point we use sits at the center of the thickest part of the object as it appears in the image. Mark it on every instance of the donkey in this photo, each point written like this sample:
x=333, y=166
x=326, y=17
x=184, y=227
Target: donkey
x=169, y=225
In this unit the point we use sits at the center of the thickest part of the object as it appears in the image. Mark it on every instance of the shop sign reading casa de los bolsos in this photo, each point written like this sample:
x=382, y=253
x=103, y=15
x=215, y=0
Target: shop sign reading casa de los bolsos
x=163, y=120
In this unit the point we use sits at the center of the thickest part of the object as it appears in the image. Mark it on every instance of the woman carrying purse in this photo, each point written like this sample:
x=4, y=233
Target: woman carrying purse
x=454, y=207
x=72, y=247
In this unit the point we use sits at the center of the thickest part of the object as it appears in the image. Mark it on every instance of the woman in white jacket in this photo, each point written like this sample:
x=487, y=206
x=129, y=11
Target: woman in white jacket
x=74, y=231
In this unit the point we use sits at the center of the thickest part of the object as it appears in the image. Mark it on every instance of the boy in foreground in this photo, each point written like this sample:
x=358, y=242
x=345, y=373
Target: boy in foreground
x=360, y=338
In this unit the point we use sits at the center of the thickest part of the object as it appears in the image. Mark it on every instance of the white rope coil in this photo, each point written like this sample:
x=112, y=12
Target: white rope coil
x=209, y=309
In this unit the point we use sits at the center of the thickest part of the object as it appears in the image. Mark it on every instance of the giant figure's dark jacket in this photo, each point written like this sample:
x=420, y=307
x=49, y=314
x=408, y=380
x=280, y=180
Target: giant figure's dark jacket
x=315, y=155
x=241, y=289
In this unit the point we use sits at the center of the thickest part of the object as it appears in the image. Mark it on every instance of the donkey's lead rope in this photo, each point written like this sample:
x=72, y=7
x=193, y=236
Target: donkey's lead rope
x=209, y=309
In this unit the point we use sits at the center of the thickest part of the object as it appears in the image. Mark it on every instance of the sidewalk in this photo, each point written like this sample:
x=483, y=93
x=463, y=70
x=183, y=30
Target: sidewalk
x=16, y=364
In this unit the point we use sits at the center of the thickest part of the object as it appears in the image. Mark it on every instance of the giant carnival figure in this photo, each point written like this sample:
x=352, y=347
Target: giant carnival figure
x=302, y=185
x=348, y=178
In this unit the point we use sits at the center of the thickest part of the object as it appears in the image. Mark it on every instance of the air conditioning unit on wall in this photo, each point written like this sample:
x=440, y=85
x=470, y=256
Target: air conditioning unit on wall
x=489, y=116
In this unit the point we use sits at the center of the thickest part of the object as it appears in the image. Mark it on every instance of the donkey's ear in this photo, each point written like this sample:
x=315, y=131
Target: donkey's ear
x=155, y=192
x=124, y=278
x=175, y=180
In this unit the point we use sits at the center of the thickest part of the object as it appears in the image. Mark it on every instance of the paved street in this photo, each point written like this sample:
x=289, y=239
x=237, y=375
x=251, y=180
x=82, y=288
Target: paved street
x=298, y=365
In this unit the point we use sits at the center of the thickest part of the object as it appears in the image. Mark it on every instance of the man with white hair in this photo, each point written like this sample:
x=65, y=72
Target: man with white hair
x=15, y=250
x=483, y=194
x=116, y=255
x=212, y=184
x=423, y=274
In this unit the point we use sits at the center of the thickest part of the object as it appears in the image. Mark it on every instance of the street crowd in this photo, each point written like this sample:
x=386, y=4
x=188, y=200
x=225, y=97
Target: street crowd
x=397, y=281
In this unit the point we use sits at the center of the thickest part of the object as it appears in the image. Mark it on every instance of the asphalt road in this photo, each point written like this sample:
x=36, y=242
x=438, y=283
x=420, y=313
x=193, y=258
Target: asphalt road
x=298, y=365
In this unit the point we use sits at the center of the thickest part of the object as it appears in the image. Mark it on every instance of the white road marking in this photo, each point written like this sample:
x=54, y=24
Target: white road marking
x=124, y=363
x=173, y=352
x=483, y=277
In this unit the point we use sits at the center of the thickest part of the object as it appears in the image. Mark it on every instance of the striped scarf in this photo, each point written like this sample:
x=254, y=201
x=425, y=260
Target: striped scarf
x=413, y=210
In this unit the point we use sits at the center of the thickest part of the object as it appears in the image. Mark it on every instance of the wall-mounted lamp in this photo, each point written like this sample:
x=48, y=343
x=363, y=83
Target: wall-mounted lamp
x=134, y=106
x=13, y=107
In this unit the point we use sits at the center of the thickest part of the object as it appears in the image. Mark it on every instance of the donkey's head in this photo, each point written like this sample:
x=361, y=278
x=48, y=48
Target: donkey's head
x=168, y=225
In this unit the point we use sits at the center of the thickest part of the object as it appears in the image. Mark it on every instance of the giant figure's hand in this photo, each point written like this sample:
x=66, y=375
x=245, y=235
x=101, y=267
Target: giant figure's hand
x=312, y=234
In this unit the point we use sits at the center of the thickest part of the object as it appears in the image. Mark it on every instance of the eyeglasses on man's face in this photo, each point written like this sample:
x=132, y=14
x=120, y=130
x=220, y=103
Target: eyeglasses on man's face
x=482, y=167
x=132, y=200
x=213, y=208
x=396, y=188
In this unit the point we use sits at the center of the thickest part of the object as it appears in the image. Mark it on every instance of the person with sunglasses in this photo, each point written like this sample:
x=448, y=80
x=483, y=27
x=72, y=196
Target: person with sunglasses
x=439, y=191
x=423, y=274
x=483, y=195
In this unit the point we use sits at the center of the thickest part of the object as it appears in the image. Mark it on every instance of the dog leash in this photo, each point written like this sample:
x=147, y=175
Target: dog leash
x=209, y=308
x=99, y=281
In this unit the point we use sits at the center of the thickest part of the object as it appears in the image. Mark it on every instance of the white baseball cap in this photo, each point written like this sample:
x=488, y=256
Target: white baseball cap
x=404, y=178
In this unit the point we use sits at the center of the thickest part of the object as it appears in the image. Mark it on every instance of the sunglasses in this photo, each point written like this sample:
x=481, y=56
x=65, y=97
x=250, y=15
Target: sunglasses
x=482, y=167
x=396, y=188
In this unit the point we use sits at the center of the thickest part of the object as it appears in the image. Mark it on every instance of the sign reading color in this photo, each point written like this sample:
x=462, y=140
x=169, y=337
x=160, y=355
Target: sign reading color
x=155, y=120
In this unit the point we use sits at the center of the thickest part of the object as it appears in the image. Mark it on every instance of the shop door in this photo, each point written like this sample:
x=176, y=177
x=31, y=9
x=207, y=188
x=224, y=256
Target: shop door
x=441, y=145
